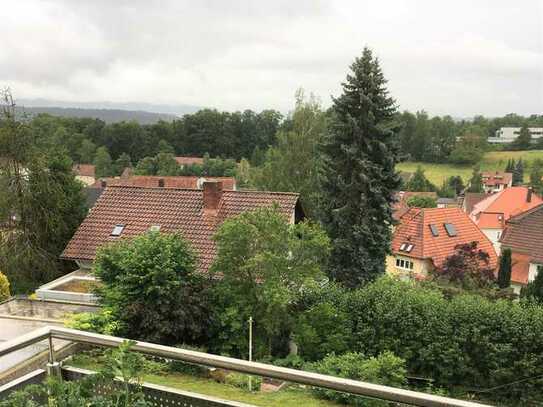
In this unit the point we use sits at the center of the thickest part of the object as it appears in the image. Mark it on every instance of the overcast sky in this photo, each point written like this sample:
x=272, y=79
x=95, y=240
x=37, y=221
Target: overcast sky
x=448, y=57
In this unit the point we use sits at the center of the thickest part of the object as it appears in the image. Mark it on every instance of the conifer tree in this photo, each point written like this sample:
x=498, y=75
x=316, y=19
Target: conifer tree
x=358, y=179
x=504, y=272
x=518, y=173
x=476, y=181
x=510, y=165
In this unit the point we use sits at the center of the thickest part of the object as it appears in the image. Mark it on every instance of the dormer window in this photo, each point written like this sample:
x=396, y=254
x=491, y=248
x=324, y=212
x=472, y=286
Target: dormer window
x=117, y=230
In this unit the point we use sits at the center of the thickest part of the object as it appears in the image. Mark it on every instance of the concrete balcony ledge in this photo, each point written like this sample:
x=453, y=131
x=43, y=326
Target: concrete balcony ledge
x=51, y=291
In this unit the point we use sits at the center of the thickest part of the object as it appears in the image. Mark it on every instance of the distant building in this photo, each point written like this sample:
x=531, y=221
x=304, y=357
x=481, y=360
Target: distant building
x=496, y=181
x=155, y=181
x=447, y=203
x=509, y=134
x=491, y=213
x=523, y=235
x=425, y=237
x=85, y=173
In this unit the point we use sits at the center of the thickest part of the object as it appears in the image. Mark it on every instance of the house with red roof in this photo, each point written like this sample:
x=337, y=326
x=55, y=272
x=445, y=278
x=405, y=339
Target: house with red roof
x=523, y=234
x=496, y=181
x=491, y=213
x=85, y=173
x=125, y=211
x=425, y=237
x=155, y=181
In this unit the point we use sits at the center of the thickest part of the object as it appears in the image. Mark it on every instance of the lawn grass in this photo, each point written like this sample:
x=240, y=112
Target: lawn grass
x=293, y=396
x=492, y=161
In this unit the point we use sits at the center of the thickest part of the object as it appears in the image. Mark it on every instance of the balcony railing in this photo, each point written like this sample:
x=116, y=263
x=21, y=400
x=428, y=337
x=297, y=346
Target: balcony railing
x=253, y=368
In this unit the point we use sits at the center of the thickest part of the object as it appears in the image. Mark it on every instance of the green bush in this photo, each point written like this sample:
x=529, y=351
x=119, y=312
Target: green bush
x=4, y=287
x=178, y=366
x=242, y=381
x=386, y=369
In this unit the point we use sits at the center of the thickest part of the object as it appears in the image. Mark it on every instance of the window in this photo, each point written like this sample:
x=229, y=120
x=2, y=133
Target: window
x=434, y=230
x=404, y=264
x=155, y=228
x=409, y=248
x=403, y=246
x=117, y=230
x=449, y=227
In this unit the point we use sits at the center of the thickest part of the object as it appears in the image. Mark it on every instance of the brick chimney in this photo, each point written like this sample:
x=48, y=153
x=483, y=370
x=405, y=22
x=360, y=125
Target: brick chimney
x=529, y=195
x=161, y=182
x=103, y=183
x=212, y=195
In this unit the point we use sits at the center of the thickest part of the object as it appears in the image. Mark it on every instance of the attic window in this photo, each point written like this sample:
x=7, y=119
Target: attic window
x=403, y=246
x=117, y=230
x=434, y=230
x=409, y=248
x=155, y=228
x=406, y=247
x=449, y=227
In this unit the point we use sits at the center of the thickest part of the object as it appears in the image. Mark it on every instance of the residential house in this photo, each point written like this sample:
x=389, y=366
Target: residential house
x=523, y=234
x=491, y=213
x=128, y=211
x=154, y=181
x=85, y=173
x=425, y=237
x=496, y=181
x=182, y=161
x=509, y=134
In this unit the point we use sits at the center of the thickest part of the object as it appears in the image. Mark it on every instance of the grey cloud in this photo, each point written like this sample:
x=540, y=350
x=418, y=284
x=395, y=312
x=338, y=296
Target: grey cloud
x=459, y=57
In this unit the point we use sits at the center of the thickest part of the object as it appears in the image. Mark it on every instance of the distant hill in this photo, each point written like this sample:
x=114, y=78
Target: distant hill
x=109, y=112
x=107, y=115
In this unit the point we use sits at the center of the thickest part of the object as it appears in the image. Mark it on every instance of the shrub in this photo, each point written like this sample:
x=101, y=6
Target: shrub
x=386, y=369
x=178, y=366
x=242, y=381
x=152, y=289
x=4, y=287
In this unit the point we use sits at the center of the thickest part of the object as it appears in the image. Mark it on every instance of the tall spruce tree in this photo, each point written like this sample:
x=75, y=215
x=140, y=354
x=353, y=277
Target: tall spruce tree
x=518, y=173
x=359, y=180
x=504, y=272
x=476, y=181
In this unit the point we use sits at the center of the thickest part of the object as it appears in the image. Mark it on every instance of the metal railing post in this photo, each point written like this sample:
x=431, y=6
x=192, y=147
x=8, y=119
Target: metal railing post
x=53, y=367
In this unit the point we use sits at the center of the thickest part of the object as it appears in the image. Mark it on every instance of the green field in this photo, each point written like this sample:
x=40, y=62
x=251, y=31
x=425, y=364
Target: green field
x=492, y=161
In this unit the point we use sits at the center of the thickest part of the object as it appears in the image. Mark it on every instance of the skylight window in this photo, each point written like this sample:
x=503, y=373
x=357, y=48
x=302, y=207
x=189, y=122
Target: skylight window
x=155, y=228
x=117, y=230
x=434, y=230
x=403, y=246
x=409, y=248
x=449, y=227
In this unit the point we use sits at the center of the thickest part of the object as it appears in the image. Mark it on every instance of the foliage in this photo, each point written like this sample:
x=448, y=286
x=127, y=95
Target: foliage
x=41, y=206
x=103, y=164
x=100, y=322
x=523, y=141
x=121, y=163
x=456, y=183
x=504, y=272
x=120, y=362
x=386, y=369
x=468, y=267
x=536, y=176
x=476, y=181
x=534, y=289
x=4, y=287
x=152, y=289
x=264, y=262
x=242, y=381
x=518, y=173
x=292, y=164
x=419, y=183
x=320, y=329
x=86, y=152
x=359, y=181
x=418, y=201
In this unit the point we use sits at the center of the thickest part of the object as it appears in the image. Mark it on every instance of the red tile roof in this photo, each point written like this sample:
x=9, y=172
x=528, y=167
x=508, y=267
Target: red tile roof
x=187, y=182
x=174, y=209
x=189, y=160
x=524, y=234
x=84, y=170
x=491, y=178
x=520, y=268
x=509, y=202
x=414, y=228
